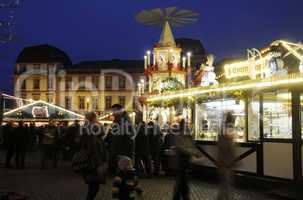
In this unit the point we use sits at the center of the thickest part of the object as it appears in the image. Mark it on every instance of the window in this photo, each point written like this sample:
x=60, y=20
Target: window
x=122, y=82
x=277, y=115
x=254, y=117
x=36, y=67
x=68, y=103
x=108, y=82
x=95, y=103
x=81, y=103
x=23, y=85
x=82, y=82
x=22, y=68
x=36, y=96
x=50, y=98
x=135, y=101
x=211, y=116
x=68, y=83
x=36, y=84
x=108, y=102
x=95, y=82
x=122, y=100
x=50, y=84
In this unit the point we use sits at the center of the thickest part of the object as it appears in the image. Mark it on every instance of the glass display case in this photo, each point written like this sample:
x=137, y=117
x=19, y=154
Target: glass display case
x=210, y=117
x=253, y=117
x=277, y=115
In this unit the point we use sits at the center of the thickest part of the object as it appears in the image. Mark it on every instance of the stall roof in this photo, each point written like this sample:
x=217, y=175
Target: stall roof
x=289, y=80
x=41, y=111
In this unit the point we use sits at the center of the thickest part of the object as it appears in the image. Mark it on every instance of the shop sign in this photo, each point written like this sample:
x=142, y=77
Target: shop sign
x=40, y=112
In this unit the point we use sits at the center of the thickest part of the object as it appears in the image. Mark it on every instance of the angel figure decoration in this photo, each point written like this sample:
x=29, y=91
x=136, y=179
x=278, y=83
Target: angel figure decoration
x=208, y=75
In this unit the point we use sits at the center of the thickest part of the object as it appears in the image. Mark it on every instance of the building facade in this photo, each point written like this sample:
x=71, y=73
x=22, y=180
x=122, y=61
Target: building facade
x=46, y=73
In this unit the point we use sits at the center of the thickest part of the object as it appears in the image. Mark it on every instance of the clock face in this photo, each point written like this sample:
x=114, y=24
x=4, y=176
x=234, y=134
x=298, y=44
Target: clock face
x=162, y=59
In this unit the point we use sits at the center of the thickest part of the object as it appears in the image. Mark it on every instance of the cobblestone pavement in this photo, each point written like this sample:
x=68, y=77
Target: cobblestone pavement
x=64, y=184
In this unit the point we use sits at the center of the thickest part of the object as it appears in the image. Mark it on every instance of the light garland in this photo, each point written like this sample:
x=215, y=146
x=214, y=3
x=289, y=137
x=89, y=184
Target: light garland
x=43, y=102
x=260, y=84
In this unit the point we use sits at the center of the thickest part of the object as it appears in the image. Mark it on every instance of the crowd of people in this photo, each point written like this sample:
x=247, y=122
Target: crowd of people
x=127, y=151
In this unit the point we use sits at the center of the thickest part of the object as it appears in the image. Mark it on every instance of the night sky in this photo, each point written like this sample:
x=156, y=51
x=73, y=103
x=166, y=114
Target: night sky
x=99, y=29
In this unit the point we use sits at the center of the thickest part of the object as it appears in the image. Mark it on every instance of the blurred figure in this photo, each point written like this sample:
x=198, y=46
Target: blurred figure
x=142, y=150
x=9, y=143
x=125, y=185
x=108, y=143
x=95, y=149
x=155, y=136
x=49, y=144
x=168, y=153
x=22, y=141
x=33, y=132
x=185, y=151
x=122, y=139
x=72, y=139
x=226, y=163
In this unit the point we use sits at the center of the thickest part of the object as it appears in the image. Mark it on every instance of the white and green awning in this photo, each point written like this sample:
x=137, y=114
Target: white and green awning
x=41, y=111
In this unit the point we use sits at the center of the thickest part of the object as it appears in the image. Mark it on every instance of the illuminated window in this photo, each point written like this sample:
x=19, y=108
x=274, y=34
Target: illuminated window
x=277, y=115
x=108, y=102
x=68, y=83
x=23, y=85
x=50, y=98
x=95, y=82
x=95, y=103
x=108, y=82
x=36, y=67
x=82, y=82
x=81, y=103
x=50, y=83
x=68, y=103
x=122, y=82
x=36, y=84
x=122, y=100
x=135, y=101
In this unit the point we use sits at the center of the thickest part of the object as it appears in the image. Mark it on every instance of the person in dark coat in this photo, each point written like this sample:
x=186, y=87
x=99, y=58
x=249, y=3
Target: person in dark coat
x=185, y=151
x=95, y=148
x=122, y=139
x=226, y=163
x=155, y=136
x=33, y=132
x=22, y=141
x=142, y=150
x=49, y=144
x=9, y=143
x=72, y=139
x=168, y=161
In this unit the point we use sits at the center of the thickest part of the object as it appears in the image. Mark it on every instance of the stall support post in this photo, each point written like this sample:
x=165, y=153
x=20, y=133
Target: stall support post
x=1, y=108
x=296, y=134
x=246, y=116
x=260, y=149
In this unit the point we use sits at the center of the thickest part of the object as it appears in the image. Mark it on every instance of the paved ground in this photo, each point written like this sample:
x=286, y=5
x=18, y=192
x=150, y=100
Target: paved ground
x=64, y=184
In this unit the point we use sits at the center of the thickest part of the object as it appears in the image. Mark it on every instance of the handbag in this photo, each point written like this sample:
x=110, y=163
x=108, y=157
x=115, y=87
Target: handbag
x=82, y=163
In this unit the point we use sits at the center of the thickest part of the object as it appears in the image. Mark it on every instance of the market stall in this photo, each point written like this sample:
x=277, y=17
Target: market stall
x=41, y=112
x=264, y=94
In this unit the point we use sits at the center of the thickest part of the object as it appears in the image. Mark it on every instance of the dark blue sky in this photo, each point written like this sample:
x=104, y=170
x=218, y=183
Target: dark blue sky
x=100, y=29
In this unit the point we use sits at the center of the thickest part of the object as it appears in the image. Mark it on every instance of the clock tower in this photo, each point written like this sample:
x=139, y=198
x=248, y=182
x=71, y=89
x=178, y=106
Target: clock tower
x=168, y=68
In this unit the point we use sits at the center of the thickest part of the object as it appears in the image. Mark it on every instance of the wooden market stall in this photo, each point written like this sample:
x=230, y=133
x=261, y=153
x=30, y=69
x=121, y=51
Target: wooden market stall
x=265, y=95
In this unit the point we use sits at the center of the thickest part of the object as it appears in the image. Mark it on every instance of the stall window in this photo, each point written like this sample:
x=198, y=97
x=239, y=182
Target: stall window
x=277, y=115
x=210, y=117
x=254, y=117
x=301, y=118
